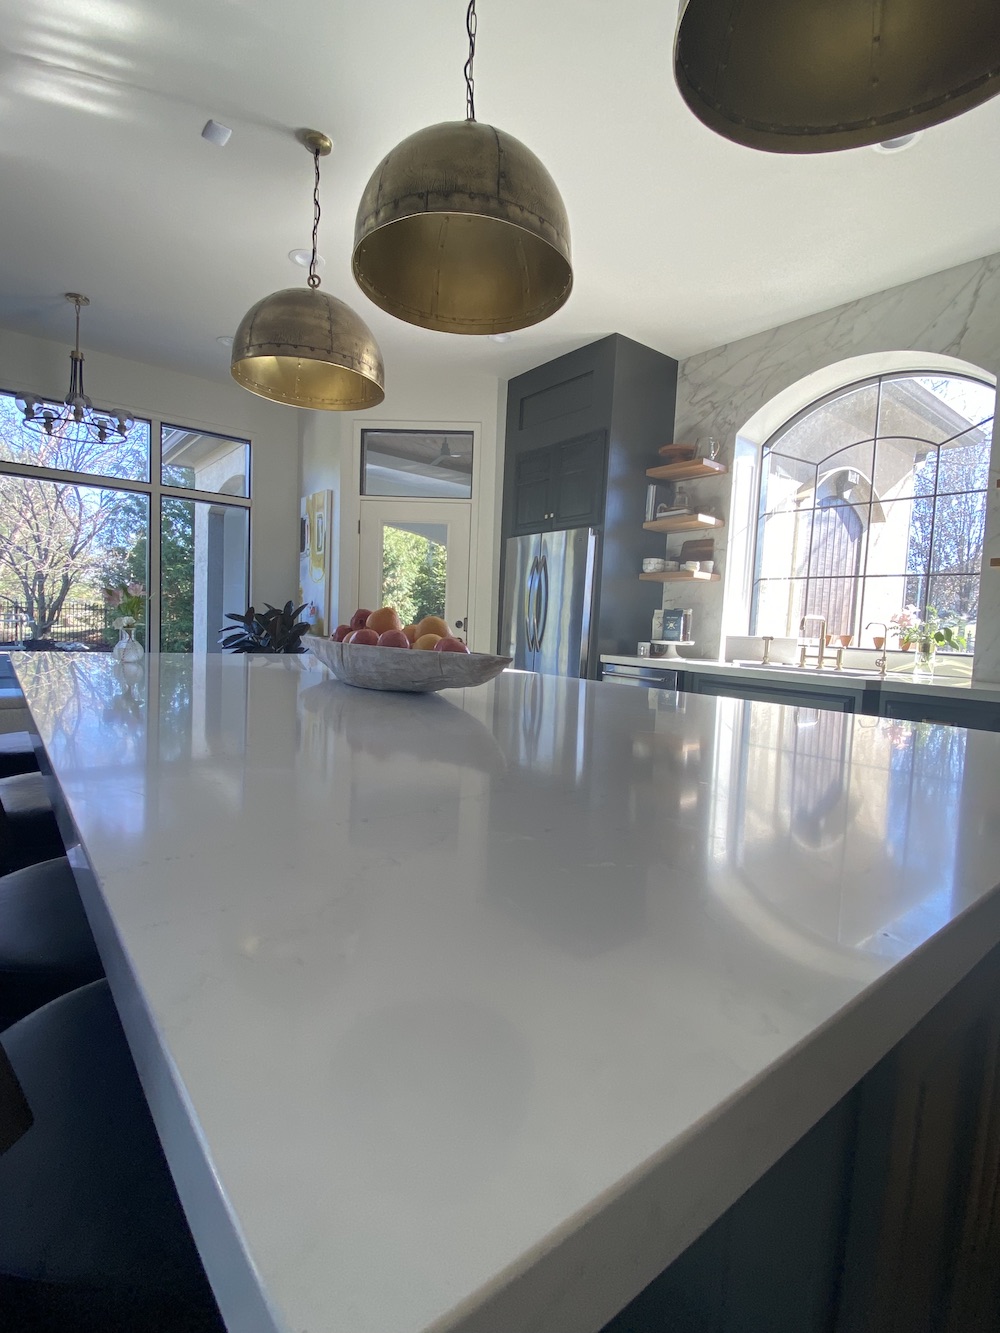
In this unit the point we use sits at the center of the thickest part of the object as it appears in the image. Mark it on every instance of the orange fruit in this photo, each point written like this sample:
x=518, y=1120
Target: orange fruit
x=434, y=625
x=427, y=640
x=411, y=633
x=385, y=618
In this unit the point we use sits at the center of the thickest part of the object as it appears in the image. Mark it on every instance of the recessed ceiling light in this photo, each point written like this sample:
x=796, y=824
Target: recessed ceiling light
x=302, y=258
x=898, y=144
x=500, y=337
x=225, y=339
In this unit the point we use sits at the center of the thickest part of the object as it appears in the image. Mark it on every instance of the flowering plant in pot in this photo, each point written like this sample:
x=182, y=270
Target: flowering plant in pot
x=941, y=632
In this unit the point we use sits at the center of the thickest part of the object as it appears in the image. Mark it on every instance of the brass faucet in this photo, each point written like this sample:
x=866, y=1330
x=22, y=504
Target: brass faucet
x=881, y=662
x=804, y=648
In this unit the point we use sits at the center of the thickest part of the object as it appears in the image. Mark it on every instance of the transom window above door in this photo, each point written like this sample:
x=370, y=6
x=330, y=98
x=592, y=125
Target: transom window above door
x=874, y=499
x=417, y=464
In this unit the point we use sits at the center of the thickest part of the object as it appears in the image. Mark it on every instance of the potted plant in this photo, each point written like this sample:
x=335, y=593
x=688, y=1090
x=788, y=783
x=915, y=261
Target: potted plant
x=276, y=630
x=927, y=634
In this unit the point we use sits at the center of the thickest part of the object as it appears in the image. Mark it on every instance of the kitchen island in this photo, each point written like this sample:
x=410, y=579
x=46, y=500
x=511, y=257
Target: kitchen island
x=471, y=1012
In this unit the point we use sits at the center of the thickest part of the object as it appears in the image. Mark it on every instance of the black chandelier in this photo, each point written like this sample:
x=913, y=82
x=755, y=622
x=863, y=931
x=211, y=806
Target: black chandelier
x=76, y=412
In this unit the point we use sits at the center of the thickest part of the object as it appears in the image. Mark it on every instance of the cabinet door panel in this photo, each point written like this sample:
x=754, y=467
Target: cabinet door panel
x=532, y=492
x=580, y=466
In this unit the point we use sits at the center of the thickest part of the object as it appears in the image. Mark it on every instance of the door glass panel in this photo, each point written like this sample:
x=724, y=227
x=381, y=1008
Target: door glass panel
x=204, y=558
x=417, y=463
x=201, y=461
x=415, y=557
x=414, y=569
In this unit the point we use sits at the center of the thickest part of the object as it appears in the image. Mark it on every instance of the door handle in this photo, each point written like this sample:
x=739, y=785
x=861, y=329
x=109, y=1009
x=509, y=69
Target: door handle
x=529, y=621
x=542, y=600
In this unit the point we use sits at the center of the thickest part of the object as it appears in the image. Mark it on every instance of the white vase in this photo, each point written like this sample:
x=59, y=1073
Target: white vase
x=128, y=648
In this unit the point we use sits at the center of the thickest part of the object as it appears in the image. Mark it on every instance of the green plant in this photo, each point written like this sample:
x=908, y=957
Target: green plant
x=947, y=632
x=276, y=630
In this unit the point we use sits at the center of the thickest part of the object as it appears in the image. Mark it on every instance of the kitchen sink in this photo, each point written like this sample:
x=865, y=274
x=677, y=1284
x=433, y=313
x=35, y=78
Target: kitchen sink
x=818, y=673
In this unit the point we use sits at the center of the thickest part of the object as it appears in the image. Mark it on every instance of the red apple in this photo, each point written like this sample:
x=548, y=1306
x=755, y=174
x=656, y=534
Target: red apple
x=362, y=636
x=340, y=633
x=450, y=645
x=360, y=618
x=393, y=638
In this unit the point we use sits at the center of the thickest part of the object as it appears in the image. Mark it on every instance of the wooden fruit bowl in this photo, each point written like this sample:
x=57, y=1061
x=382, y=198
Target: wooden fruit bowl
x=407, y=670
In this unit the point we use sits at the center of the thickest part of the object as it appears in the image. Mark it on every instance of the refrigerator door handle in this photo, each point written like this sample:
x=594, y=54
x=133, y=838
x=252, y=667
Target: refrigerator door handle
x=542, y=600
x=529, y=608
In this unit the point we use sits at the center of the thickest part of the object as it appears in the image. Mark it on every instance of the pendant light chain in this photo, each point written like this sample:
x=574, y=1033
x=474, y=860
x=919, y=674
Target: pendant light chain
x=470, y=82
x=314, y=278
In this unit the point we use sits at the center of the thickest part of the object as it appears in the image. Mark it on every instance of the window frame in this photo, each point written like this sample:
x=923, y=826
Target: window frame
x=154, y=490
x=772, y=446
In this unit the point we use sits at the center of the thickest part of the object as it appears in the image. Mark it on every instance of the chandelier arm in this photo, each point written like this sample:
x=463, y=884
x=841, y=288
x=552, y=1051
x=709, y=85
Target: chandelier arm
x=471, y=24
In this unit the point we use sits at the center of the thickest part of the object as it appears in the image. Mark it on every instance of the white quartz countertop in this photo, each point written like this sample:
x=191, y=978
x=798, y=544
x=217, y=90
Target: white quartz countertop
x=897, y=681
x=469, y=1012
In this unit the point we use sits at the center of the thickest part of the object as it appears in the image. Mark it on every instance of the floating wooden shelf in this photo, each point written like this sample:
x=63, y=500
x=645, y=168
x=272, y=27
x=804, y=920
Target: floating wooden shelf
x=685, y=523
x=690, y=471
x=680, y=576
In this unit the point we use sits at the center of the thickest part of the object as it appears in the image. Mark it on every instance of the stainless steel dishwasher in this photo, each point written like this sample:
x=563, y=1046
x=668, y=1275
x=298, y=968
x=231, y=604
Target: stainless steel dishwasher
x=650, y=677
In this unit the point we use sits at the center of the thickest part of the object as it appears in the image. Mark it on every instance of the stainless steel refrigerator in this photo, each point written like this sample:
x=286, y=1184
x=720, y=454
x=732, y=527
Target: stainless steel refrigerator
x=548, y=599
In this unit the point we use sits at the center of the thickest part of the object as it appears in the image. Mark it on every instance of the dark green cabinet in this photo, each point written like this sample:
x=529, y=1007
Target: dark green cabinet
x=561, y=486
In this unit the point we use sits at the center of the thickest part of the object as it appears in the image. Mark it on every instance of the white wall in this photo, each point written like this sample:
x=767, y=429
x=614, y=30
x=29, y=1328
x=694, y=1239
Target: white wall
x=215, y=404
x=331, y=460
x=954, y=314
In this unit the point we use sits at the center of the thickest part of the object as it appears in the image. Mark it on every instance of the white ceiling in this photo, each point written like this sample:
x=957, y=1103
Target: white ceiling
x=680, y=239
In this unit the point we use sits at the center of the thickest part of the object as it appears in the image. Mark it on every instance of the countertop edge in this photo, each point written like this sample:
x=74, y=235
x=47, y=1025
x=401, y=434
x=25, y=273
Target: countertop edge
x=600, y=1261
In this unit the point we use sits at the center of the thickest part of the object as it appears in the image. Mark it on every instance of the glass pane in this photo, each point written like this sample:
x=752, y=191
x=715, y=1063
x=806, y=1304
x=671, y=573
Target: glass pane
x=421, y=464
x=882, y=598
x=955, y=596
x=787, y=483
x=201, y=461
x=904, y=467
x=832, y=425
x=971, y=401
x=204, y=560
x=838, y=539
x=899, y=537
x=61, y=545
x=964, y=463
x=414, y=569
x=69, y=449
x=783, y=544
x=780, y=606
x=835, y=600
x=959, y=531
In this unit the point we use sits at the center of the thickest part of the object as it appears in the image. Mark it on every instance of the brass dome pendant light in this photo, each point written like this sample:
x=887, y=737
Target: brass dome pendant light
x=462, y=230
x=812, y=76
x=303, y=347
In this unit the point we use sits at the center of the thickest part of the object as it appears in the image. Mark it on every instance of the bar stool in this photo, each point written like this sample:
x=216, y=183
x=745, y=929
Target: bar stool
x=88, y=1201
x=17, y=754
x=29, y=831
x=46, y=947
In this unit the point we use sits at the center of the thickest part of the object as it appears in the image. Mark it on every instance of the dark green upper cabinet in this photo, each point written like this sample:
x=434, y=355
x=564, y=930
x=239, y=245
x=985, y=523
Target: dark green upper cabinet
x=561, y=486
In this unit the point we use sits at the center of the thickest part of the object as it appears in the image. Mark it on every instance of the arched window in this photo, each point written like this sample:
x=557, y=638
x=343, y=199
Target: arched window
x=873, y=499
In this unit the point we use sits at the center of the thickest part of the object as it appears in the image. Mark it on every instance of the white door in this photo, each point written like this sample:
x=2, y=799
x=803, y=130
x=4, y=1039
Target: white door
x=415, y=556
